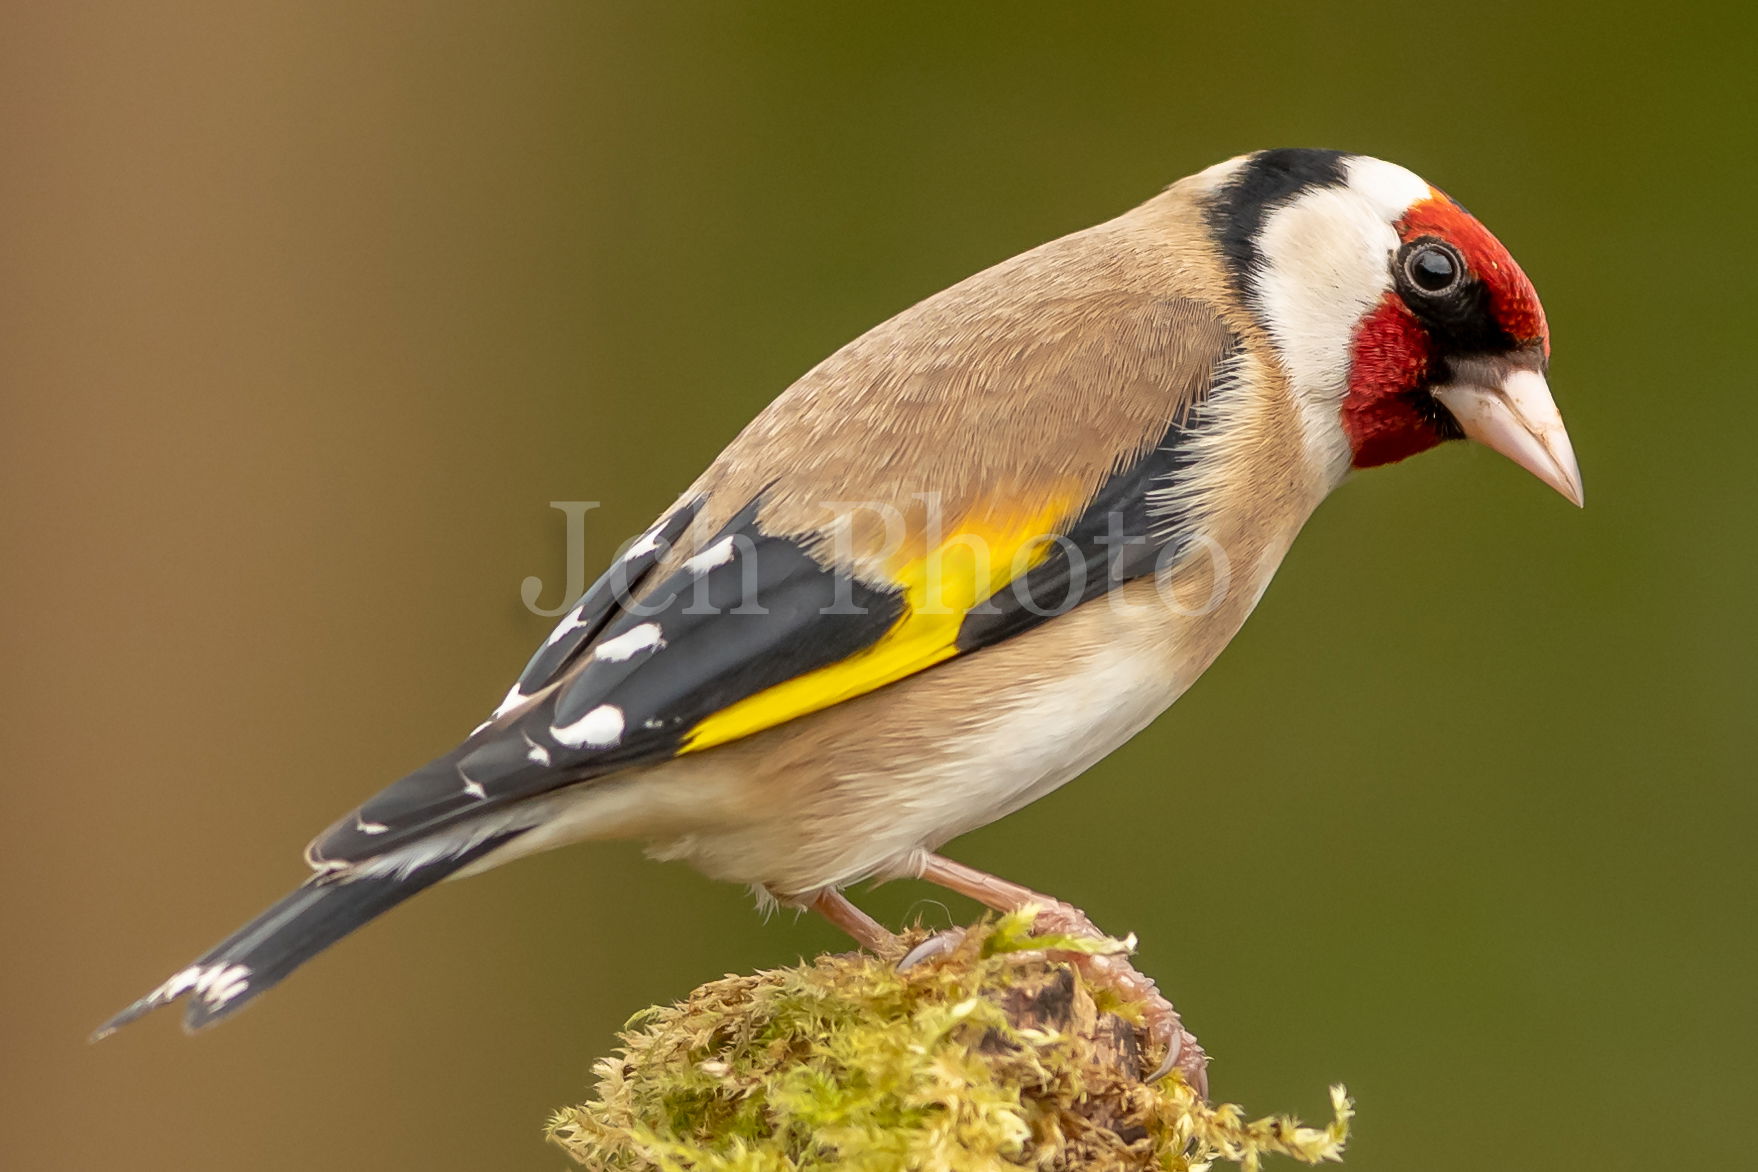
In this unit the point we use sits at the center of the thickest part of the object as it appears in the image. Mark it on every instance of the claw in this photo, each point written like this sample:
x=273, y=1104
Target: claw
x=1184, y=1055
x=1174, y=1050
x=937, y=945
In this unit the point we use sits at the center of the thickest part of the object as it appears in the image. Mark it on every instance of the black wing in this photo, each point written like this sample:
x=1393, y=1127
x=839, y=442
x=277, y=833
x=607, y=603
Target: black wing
x=628, y=679
x=753, y=630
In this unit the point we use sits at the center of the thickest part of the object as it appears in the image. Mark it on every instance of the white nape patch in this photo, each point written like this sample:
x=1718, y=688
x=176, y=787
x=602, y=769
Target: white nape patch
x=1391, y=189
x=512, y=701
x=718, y=554
x=571, y=622
x=629, y=644
x=1213, y=179
x=1326, y=261
x=536, y=752
x=365, y=827
x=599, y=729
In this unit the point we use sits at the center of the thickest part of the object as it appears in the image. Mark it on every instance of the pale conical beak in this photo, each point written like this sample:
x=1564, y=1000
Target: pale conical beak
x=1520, y=420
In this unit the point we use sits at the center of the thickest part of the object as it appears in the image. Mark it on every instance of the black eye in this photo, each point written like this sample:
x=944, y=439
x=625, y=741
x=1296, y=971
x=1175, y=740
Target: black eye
x=1433, y=267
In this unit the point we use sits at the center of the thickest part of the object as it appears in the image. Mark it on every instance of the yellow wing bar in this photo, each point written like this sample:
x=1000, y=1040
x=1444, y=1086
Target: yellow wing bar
x=939, y=588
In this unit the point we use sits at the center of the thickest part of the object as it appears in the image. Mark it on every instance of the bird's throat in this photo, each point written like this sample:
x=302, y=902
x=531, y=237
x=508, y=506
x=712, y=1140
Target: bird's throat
x=1390, y=362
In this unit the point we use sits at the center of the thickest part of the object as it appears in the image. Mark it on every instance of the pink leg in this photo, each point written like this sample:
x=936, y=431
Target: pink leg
x=864, y=929
x=1183, y=1054
x=1004, y=895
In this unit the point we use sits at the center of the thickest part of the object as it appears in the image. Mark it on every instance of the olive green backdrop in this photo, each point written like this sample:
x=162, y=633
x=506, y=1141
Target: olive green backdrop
x=307, y=311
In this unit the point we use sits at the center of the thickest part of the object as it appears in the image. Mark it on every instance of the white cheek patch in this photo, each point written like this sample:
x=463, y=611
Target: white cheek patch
x=1325, y=262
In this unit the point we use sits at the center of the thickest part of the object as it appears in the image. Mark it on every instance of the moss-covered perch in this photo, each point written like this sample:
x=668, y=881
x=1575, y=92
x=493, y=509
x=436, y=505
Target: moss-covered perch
x=999, y=1054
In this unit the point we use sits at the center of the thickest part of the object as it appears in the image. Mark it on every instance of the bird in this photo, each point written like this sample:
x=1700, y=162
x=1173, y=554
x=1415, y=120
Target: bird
x=966, y=556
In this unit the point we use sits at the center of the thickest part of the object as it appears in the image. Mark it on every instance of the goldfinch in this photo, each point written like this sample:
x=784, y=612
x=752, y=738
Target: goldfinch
x=967, y=555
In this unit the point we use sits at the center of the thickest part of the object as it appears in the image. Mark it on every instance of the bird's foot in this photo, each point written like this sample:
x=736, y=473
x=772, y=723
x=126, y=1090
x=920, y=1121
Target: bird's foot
x=1114, y=972
x=1111, y=971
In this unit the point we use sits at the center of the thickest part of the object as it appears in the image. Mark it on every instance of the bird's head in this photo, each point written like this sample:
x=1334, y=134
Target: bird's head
x=1399, y=319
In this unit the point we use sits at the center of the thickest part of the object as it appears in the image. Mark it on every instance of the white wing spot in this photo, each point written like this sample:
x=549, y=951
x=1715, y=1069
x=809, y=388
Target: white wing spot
x=599, y=729
x=512, y=701
x=365, y=827
x=477, y=729
x=718, y=554
x=537, y=752
x=642, y=545
x=574, y=621
x=630, y=643
x=471, y=786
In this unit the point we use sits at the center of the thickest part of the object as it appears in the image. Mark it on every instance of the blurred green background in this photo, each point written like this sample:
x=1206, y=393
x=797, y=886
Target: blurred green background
x=308, y=310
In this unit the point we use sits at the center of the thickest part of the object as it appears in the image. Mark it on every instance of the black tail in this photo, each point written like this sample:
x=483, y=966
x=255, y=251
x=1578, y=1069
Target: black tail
x=256, y=957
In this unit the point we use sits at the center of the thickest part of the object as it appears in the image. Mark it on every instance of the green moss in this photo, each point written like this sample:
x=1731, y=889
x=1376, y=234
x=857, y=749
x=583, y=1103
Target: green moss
x=998, y=1055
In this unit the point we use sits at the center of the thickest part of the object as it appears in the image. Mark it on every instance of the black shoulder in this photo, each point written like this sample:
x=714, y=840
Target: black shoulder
x=1137, y=524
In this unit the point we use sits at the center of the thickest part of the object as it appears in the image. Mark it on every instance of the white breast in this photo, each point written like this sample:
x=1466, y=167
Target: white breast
x=981, y=766
x=1048, y=734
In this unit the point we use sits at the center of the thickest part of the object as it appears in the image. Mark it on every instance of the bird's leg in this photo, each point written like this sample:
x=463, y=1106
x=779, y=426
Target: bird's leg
x=1164, y=1026
x=864, y=929
x=1006, y=896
